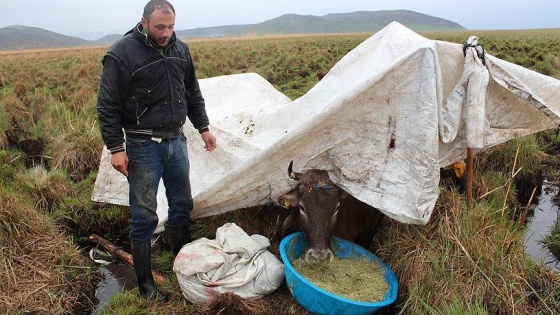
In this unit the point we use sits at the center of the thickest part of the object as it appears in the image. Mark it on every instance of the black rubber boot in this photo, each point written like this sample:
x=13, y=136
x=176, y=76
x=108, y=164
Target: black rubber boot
x=178, y=235
x=142, y=267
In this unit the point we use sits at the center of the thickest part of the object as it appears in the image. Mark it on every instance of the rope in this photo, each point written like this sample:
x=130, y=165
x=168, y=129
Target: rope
x=481, y=53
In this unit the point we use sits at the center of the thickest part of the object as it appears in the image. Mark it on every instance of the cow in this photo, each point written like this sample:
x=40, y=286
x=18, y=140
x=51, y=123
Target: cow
x=321, y=210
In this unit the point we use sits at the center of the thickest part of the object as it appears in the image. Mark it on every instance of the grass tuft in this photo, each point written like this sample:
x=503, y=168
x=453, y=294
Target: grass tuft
x=42, y=272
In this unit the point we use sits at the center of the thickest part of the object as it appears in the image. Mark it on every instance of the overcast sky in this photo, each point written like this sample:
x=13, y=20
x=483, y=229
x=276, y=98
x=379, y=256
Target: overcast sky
x=102, y=17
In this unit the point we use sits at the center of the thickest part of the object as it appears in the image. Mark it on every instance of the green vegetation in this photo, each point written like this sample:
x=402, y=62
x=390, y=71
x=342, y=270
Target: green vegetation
x=354, y=279
x=464, y=261
x=472, y=261
x=293, y=64
x=553, y=240
x=538, y=50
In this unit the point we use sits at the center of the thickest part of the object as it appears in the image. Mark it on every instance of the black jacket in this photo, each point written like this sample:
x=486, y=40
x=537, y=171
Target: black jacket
x=147, y=91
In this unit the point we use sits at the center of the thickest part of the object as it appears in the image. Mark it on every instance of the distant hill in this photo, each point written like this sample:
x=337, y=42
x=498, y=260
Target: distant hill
x=216, y=31
x=108, y=39
x=23, y=37
x=354, y=22
x=379, y=19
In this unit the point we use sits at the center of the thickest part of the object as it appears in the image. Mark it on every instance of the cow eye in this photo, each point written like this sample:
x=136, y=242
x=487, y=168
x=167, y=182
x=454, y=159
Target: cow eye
x=301, y=209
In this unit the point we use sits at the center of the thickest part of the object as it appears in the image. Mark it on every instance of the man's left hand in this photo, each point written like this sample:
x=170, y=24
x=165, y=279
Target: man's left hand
x=209, y=141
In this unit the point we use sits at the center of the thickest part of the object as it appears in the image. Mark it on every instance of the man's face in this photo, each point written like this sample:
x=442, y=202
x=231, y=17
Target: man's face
x=160, y=27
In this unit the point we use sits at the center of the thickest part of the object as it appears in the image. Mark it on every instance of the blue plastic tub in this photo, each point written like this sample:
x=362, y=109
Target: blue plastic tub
x=320, y=301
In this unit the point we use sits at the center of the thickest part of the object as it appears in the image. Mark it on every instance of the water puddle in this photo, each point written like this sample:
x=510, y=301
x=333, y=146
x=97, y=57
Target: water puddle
x=540, y=225
x=117, y=277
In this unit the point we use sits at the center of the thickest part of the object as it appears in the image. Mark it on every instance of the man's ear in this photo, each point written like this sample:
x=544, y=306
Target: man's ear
x=288, y=201
x=144, y=23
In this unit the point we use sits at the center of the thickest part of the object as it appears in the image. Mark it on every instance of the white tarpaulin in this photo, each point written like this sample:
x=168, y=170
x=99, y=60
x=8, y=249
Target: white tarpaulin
x=382, y=122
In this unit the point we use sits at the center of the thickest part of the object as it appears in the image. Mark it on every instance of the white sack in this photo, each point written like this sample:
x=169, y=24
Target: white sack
x=233, y=262
x=382, y=122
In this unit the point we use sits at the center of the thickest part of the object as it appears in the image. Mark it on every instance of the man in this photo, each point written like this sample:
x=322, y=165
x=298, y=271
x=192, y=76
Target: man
x=148, y=88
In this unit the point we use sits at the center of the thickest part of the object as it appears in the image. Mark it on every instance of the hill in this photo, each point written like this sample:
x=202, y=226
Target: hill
x=23, y=37
x=354, y=22
x=108, y=39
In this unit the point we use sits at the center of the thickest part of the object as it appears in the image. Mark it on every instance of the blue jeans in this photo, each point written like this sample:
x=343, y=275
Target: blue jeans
x=149, y=162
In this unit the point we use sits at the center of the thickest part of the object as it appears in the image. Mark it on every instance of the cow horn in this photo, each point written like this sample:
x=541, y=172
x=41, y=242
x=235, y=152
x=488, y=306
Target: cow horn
x=292, y=174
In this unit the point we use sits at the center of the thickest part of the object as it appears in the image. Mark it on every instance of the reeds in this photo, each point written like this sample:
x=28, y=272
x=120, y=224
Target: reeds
x=42, y=273
x=471, y=261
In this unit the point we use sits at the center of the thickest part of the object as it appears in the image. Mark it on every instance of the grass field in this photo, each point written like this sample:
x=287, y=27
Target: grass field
x=49, y=155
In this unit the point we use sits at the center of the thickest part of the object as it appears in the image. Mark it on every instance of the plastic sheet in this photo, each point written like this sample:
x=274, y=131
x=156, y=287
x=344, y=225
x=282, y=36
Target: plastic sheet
x=382, y=122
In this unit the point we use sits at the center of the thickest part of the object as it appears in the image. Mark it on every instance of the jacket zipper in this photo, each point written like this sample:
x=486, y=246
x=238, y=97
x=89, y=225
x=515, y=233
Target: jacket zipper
x=149, y=43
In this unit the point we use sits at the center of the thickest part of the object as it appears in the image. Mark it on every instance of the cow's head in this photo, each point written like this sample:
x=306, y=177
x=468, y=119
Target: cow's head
x=316, y=199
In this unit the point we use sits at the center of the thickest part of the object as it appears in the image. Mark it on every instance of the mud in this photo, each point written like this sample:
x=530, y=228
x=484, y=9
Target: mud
x=33, y=152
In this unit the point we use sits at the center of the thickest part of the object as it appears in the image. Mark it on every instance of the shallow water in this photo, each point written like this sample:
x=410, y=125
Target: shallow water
x=540, y=225
x=117, y=277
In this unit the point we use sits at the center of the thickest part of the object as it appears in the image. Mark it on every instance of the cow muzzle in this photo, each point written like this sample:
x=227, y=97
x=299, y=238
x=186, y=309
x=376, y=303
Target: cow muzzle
x=318, y=255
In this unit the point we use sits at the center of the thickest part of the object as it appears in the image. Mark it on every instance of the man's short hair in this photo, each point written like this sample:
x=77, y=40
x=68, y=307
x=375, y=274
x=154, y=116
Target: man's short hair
x=153, y=5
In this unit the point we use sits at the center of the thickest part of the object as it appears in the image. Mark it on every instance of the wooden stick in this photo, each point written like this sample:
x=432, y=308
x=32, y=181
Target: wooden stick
x=470, y=172
x=121, y=254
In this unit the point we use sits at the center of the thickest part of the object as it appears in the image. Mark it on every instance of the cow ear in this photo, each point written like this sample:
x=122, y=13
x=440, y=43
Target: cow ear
x=288, y=201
